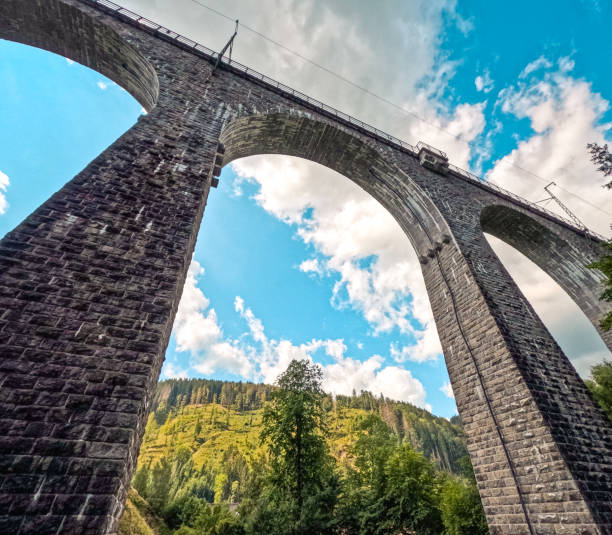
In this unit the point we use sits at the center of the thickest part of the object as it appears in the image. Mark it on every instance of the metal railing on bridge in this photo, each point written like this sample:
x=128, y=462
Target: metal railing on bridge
x=325, y=109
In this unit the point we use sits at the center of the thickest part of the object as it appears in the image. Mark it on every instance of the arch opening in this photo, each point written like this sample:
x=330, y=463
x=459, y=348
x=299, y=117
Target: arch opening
x=58, y=27
x=298, y=145
x=270, y=286
x=58, y=115
x=552, y=275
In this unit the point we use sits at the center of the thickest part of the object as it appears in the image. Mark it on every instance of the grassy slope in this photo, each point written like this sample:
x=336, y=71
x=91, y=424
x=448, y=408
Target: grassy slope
x=222, y=427
x=139, y=519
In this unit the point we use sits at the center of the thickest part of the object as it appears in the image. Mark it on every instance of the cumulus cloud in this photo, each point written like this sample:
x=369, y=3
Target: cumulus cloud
x=312, y=265
x=4, y=183
x=172, y=371
x=197, y=331
x=343, y=376
x=565, y=113
x=447, y=390
x=358, y=243
x=254, y=356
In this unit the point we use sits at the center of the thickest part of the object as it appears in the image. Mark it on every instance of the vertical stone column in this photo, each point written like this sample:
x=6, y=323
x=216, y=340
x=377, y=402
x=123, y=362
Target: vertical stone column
x=541, y=449
x=89, y=286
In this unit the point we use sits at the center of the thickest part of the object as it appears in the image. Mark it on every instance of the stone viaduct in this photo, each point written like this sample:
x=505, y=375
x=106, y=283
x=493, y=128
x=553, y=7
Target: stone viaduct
x=91, y=280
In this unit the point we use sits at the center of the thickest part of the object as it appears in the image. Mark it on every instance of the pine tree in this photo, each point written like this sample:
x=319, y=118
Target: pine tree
x=601, y=157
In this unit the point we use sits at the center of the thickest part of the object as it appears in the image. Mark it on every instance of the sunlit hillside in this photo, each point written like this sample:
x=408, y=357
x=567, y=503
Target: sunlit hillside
x=207, y=417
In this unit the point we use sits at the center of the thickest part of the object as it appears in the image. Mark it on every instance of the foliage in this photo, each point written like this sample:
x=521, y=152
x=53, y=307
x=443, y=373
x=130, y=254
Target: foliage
x=139, y=518
x=604, y=264
x=217, y=520
x=208, y=428
x=601, y=157
x=353, y=465
x=390, y=488
x=601, y=385
x=461, y=507
x=294, y=431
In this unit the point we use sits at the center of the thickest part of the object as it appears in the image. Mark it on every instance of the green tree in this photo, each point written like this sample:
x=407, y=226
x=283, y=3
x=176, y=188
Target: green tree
x=600, y=156
x=372, y=448
x=462, y=511
x=141, y=480
x=409, y=501
x=601, y=385
x=217, y=520
x=220, y=487
x=604, y=264
x=294, y=430
x=160, y=484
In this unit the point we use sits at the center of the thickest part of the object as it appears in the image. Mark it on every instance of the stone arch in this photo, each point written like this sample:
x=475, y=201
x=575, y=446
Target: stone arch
x=562, y=257
x=362, y=161
x=58, y=27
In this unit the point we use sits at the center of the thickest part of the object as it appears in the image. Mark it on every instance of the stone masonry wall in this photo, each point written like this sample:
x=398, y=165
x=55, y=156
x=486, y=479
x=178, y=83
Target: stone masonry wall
x=90, y=284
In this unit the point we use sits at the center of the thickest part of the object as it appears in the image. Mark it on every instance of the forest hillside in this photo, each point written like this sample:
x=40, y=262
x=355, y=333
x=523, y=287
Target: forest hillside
x=211, y=463
x=208, y=416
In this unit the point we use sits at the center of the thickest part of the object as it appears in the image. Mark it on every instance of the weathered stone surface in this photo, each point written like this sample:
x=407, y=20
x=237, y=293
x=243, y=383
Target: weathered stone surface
x=90, y=283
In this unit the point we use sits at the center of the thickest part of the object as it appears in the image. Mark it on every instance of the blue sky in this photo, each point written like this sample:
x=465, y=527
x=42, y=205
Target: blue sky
x=292, y=259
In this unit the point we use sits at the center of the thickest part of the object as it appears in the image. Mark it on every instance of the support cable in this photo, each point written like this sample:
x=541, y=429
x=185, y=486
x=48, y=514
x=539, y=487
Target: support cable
x=467, y=344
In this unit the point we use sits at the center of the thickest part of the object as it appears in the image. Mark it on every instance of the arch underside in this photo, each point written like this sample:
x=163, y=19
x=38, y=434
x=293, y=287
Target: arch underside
x=300, y=135
x=58, y=27
x=564, y=259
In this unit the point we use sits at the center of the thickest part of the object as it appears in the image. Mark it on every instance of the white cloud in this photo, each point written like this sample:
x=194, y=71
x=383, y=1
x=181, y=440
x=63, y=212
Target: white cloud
x=540, y=63
x=346, y=375
x=484, y=83
x=254, y=356
x=312, y=265
x=427, y=347
x=198, y=332
x=173, y=371
x=4, y=183
x=102, y=85
x=447, y=390
x=566, y=64
x=342, y=376
x=69, y=61
x=565, y=114
x=358, y=242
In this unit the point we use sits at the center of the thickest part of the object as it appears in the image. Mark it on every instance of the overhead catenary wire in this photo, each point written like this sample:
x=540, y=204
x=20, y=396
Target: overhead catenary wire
x=569, y=192
x=384, y=99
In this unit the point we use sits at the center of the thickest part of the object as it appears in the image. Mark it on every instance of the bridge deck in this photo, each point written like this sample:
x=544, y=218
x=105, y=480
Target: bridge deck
x=324, y=109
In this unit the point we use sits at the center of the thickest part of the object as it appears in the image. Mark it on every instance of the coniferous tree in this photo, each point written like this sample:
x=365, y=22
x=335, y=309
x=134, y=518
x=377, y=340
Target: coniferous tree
x=601, y=157
x=601, y=385
x=160, y=484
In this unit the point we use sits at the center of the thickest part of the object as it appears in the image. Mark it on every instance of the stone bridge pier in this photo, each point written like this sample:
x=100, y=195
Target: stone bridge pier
x=91, y=280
